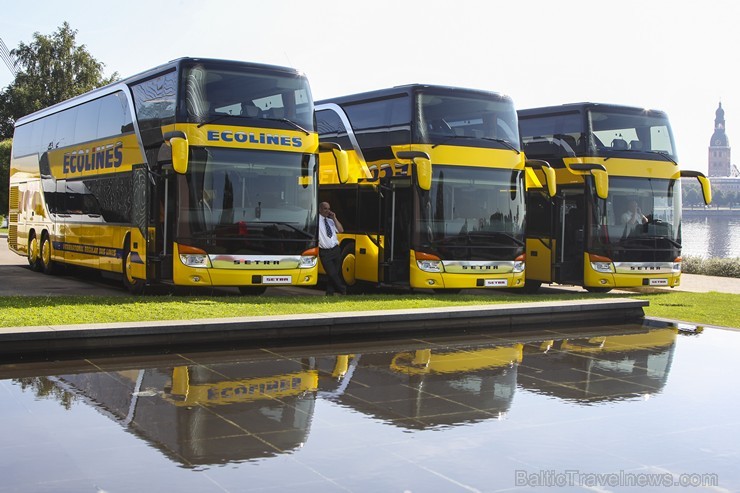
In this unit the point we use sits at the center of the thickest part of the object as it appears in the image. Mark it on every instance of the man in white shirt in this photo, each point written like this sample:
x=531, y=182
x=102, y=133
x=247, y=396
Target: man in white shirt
x=329, y=252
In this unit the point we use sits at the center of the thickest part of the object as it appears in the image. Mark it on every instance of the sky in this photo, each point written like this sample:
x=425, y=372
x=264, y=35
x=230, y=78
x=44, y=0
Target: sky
x=677, y=56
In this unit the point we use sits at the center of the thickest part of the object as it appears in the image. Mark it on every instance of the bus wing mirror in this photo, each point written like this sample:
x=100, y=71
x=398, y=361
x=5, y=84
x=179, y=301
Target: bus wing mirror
x=178, y=141
x=340, y=157
x=423, y=164
x=552, y=186
x=706, y=187
x=342, y=164
x=601, y=180
x=598, y=171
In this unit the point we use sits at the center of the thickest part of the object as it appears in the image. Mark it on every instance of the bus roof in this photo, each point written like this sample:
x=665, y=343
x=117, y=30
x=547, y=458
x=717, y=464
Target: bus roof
x=409, y=89
x=584, y=106
x=119, y=84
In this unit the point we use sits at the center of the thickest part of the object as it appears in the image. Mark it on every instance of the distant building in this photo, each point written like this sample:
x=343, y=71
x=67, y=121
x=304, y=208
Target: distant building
x=719, y=147
x=722, y=173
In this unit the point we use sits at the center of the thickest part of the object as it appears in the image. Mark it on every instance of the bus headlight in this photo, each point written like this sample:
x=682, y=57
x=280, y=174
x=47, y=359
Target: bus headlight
x=193, y=257
x=519, y=264
x=601, y=264
x=192, y=260
x=677, y=265
x=428, y=263
x=309, y=259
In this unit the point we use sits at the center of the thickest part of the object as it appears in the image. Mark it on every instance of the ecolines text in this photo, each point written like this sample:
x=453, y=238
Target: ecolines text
x=243, y=137
x=107, y=156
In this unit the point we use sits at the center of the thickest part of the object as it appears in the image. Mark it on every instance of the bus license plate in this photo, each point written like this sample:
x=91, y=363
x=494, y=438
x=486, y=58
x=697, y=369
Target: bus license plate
x=659, y=282
x=495, y=283
x=277, y=279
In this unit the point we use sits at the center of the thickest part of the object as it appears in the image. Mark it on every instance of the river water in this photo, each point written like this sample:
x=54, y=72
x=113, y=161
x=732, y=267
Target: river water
x=711, y=237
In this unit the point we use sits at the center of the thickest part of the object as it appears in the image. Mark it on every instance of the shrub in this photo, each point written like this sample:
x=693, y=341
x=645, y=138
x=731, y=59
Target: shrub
x=720, y=267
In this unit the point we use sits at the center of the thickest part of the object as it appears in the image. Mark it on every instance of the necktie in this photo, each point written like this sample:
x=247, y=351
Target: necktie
x=328, y=227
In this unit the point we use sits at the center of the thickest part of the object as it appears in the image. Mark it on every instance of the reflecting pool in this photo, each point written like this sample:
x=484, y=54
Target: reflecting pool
x=622, y=408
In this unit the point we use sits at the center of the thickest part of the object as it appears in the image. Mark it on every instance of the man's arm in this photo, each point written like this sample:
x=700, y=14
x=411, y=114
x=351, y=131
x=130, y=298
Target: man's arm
x=340, y=228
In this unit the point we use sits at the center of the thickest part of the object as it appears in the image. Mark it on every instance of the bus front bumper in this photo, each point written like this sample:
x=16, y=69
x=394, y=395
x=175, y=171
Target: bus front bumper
x=235, y=271
x=466, y=275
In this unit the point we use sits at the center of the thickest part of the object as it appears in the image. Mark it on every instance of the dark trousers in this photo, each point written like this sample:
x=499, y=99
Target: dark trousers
x=331, y=259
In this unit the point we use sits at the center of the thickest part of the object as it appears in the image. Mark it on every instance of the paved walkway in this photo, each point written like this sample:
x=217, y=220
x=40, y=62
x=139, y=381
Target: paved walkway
x=705, y=284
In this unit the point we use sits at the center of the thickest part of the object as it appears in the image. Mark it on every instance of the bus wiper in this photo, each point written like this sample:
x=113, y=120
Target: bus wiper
x=224, y=115
x=289, y=122
x=504, y=142
x=662, y=154
x=484, y=234
x=512, y=238
x=308, y=235
x=665, y=155
x=669, y=240
x=500, y=141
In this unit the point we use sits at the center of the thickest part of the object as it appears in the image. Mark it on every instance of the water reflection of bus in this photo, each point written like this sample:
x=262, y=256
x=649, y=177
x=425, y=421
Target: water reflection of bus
x=242, y=405
x=208, y=414
x=601, y=367
x=426, y=387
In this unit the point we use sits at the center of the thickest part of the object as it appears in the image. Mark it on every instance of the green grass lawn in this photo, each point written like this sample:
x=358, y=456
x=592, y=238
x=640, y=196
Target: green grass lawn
x=700, y=308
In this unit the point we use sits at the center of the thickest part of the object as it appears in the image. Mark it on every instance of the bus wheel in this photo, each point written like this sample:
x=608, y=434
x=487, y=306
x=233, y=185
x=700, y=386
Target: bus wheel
x=348, y=264
x=34, y=256
x=47, y=264
x=531, y=287
x=595, y=289
x=132, y=284
x=252, y=290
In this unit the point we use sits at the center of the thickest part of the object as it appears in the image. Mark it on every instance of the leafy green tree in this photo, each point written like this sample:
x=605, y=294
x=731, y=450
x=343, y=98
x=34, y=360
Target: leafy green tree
x=691, y=197
x=51, y=69
x=718, y=197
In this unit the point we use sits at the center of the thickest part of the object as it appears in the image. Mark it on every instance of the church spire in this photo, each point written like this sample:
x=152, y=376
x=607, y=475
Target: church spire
x=719, y=147
x=719, y=117
x=719, y=137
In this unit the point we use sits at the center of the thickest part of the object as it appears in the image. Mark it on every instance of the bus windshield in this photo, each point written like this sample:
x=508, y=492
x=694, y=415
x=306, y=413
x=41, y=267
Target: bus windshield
x=215, y=94
x=473, y=213
x=642, y=211
x=250, y=201
x=444, y=118
x=629, y=134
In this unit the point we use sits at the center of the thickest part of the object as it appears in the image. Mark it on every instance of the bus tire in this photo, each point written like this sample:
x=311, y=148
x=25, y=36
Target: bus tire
x=48, y=266
x=132, y=284
x=34, y=253
x=252, y=290
x=531, y=287
x=348, y=264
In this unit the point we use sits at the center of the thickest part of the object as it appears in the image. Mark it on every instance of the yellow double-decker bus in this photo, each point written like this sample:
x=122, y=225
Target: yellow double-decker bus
x=198, y=172
x=616, y=218
x=433, y=193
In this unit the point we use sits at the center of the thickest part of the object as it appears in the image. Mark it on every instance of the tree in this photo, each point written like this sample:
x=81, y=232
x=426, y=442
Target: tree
x=691, y=197
x=51, y=69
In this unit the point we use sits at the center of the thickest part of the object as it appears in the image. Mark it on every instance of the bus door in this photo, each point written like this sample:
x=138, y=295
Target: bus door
x=396, y=204
x=571, y=216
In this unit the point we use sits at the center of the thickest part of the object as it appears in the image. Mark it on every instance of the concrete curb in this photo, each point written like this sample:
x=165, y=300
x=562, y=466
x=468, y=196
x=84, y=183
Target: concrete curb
x=16, y=341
